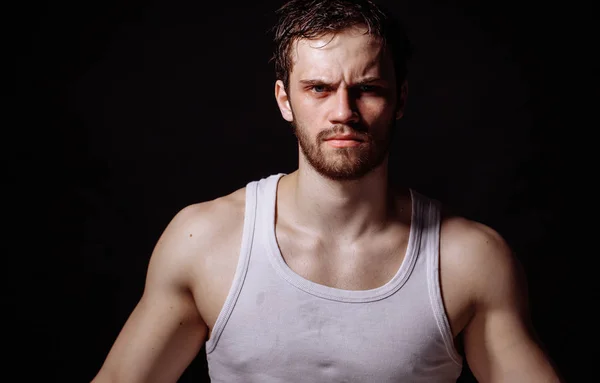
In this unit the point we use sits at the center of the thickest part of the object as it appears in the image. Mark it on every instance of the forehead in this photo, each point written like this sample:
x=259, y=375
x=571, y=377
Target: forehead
x=349, y=53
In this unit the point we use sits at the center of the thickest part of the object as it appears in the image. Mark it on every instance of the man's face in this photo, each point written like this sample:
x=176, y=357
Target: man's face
x=342, y=103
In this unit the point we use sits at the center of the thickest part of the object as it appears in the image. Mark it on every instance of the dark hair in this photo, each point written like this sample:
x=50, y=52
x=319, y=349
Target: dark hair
x=300, y=19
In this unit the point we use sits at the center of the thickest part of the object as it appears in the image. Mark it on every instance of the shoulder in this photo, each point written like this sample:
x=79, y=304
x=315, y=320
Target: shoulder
x=478, y=257
x=197, y=231
x=206, y=219
x=466, y=237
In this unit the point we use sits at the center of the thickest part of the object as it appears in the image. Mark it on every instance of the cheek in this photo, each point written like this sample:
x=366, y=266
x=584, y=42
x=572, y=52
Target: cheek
x=377, y=110
x=308, y=111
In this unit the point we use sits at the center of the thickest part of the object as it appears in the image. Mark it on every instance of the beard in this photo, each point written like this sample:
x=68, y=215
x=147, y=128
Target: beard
x=347, y=163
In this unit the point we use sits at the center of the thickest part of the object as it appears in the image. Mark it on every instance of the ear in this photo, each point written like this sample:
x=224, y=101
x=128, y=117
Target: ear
x=402, y=94
x=283, y=101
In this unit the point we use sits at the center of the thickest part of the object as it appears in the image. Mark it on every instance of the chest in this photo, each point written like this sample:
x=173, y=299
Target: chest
x=362, y=266
x=277, y=328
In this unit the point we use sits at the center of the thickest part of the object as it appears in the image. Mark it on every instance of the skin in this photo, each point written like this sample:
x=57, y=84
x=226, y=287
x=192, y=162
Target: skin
x=323, y=215
x=365, y=107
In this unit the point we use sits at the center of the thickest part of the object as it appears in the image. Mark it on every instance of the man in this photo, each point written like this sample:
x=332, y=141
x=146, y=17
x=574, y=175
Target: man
x=327, y=273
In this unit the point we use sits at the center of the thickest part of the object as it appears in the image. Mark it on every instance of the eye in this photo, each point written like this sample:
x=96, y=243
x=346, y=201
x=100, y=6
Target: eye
x=319, y=88
x=367, y=88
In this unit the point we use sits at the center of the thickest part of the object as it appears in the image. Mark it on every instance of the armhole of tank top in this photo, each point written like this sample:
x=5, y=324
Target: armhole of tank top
x=432, y=210
x=241, y=270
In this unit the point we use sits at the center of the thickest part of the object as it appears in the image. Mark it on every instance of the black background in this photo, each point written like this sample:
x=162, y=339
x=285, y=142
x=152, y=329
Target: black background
x=124, y=112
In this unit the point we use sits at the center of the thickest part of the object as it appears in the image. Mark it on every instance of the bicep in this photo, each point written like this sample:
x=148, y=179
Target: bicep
x=158, y=341
x=499, y=341
x=164, y=332
x=500, y=346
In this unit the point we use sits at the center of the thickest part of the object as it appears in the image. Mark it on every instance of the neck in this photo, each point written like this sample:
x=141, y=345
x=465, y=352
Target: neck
x=346, y=209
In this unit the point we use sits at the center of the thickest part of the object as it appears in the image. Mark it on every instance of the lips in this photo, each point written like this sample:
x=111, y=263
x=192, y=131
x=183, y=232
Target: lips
x=344, y=141
x=345, y=137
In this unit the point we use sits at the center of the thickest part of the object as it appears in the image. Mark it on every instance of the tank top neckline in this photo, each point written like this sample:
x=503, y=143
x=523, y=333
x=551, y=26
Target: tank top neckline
x=269, y=197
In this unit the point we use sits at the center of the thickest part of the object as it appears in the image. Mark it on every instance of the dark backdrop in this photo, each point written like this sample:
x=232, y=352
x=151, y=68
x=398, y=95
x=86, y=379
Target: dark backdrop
x=127, y=111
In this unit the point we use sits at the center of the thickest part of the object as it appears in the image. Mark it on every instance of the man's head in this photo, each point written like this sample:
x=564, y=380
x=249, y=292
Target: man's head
x=341, y=68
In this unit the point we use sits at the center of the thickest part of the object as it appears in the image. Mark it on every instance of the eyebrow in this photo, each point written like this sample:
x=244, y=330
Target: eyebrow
x=314, y=82
x=365, y=80
x=370, y=79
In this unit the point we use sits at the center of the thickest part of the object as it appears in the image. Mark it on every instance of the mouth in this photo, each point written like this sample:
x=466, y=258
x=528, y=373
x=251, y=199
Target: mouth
x=344, y=141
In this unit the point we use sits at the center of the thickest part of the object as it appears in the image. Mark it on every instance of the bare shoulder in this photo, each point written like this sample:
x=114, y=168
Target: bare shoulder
x=152, y=344
x=202, y=243
x=477, y=257
x=207, y=221
x=467, y=238
x=208, y=217
x=196, y=231
x=485, y=290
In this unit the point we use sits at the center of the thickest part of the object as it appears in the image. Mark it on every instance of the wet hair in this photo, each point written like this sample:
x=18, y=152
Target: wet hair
x=308, y=19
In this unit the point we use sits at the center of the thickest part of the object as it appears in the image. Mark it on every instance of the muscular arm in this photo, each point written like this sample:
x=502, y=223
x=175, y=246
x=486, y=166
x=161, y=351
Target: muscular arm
x=499, y=340
x=164, y=332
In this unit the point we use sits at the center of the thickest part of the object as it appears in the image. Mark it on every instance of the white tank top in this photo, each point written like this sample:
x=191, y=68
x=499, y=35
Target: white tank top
x=277, y=326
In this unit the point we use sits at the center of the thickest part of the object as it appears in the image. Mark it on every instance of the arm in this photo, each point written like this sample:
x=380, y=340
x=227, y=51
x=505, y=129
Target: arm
x=164, y=332
x=499, y=340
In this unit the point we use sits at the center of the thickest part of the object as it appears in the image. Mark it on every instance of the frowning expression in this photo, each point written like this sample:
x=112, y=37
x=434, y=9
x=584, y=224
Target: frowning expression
x=342, y=102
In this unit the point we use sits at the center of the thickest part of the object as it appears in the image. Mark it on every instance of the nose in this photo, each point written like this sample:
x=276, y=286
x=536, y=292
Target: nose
x=344, y=110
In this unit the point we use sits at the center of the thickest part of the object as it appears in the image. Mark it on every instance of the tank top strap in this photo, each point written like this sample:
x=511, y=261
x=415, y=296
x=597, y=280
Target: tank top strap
x=432, y=219
x=250, y=213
